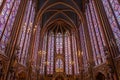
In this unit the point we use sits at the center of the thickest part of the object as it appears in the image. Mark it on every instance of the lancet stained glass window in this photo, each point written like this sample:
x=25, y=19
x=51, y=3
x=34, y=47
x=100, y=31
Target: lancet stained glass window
x=7, y=18
x=68, y=60
x=25, y=33
x=96, y=35
x=59, y=65
x=50, y=56
x=59, y=43
x=112, y=8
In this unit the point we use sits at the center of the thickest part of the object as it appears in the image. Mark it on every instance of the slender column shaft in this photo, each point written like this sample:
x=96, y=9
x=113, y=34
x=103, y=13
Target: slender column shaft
x=89, y=48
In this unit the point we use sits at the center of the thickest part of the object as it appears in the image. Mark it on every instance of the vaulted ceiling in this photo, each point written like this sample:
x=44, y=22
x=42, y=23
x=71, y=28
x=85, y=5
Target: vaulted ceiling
x=63, y=13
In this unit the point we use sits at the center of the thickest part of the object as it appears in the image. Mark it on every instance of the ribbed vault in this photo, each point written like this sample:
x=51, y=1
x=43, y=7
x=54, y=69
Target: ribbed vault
x=52, y=11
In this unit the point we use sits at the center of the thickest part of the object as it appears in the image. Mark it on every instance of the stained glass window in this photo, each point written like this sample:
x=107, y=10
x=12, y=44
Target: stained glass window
x=92, y=36
x=59, y=65
x=7, y=18
x=43, y=57
x=96, y=35
x=59, y=43
x=75, y=54
x=25, y=33
x=68, y=60
x=50, y=56
x=116, y=8
x=97, y=27
x=112, y=8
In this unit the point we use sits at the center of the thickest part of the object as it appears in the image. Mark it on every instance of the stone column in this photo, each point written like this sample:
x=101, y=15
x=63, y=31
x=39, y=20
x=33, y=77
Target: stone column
x=89, y=48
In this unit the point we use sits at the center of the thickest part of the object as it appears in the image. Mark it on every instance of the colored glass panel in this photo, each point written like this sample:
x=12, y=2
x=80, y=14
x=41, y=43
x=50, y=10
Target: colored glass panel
x=112, y=19
x=7, y=16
